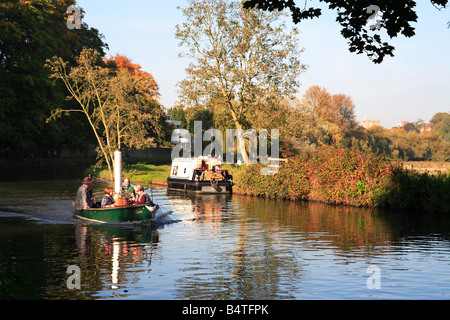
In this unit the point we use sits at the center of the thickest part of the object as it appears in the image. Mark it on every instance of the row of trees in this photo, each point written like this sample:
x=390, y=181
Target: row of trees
x=408, y=143
x=30, y=33
x=320, y=118
x=111, y=101
x=316, y=118
x=244, y=73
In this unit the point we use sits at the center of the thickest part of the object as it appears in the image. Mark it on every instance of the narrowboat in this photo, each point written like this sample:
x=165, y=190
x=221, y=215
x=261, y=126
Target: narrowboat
x=199, y=175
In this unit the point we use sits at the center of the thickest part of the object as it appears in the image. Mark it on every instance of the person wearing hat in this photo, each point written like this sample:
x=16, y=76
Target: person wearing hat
x=84, y=199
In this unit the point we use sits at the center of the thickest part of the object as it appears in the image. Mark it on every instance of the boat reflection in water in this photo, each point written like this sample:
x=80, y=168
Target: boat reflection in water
x=109, y=255
x=114, y=258
x=207, y=208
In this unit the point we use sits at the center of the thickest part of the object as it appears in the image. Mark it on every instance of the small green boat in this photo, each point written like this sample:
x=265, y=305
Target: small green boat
x=121, y=211
x=118, y=214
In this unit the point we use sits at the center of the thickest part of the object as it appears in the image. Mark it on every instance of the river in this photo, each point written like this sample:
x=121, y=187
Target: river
x=213, y=247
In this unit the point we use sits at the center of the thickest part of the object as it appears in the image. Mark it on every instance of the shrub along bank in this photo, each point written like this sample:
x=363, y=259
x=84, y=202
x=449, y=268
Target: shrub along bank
x=345, y=177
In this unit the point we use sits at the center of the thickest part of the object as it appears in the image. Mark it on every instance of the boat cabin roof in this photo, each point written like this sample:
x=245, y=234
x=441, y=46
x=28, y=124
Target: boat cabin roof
x=183, y=168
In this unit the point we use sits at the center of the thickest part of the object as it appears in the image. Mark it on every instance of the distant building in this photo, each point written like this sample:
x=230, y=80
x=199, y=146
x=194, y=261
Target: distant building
x=426, y=127
x=367, y=124
x=401, y=125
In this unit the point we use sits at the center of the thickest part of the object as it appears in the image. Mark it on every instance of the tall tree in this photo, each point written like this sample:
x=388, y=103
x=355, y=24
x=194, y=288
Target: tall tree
x=344, y=109
x=238, y=57
x=150, y=89
x=353, y=16
x=320, y=101
x=146, y=79
x=114, y=102
x=31, y=32
x=336, y=108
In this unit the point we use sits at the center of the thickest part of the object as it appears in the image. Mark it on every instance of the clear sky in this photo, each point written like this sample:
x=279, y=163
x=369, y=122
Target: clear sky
x=414, y=84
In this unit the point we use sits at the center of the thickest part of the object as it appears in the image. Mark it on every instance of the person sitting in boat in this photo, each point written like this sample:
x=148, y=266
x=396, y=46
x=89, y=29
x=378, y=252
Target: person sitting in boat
x=108, y=200
x=130, y=192
x=91, y=189
x=84, y=198
x=141, y=198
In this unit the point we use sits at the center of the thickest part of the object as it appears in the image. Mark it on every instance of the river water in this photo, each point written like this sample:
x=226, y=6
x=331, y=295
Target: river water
x=214, y=247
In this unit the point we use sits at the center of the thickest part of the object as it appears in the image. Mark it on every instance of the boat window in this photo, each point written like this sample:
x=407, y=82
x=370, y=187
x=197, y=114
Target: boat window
x=184, y=171
x=175, y=171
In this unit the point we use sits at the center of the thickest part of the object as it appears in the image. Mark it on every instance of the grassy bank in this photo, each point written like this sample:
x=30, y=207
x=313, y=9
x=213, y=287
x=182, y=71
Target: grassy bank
x=343, y=177
x=137, y=173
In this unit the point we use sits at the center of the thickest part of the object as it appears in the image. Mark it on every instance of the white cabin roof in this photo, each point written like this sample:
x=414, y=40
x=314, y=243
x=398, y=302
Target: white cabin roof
x=183, y=168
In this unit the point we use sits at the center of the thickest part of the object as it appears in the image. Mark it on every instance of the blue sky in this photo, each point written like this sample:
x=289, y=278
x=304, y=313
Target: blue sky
x=414, y=84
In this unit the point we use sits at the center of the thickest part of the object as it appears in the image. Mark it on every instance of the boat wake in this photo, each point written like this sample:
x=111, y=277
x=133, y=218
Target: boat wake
x=163, y=217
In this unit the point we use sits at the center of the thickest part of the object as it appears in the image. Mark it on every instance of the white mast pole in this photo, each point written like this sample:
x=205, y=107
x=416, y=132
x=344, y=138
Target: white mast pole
x=118, y=172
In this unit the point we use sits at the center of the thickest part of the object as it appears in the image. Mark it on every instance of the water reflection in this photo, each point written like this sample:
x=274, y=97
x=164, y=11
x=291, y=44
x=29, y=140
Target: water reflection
x=110, y=255
x=266, y=249
x=221, y=247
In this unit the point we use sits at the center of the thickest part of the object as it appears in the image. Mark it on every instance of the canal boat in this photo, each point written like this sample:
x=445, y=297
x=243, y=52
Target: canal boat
x=118, y=214
x=199, y=175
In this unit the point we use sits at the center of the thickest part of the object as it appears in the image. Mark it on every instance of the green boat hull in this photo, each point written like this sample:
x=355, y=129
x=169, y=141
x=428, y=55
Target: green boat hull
x=117, y=214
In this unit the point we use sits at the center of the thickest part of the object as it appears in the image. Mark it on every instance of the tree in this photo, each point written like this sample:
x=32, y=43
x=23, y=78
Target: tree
x=199, y=113
x=333, y=117
x=353, y=15
x=293, y=122
x=337, y=108
x=344, y=109
x=114, y=102
x=146, y=79
x=319, y=100
x=441, y=122
x=239, y=57
x=150, y=89
x=410, y=127
x=31, y=32
x=177, y=113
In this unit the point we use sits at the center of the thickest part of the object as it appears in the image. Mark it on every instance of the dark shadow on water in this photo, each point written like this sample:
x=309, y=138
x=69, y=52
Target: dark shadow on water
x=41, y=174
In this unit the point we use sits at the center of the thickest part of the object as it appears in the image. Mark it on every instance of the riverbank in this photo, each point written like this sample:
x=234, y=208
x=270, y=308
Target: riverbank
x=344, y=177
x=329, y=175
x=137, y=173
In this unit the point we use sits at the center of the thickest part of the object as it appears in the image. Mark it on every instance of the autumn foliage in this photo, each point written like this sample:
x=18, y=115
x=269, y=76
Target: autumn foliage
x=148, y=82
x=344, y=177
